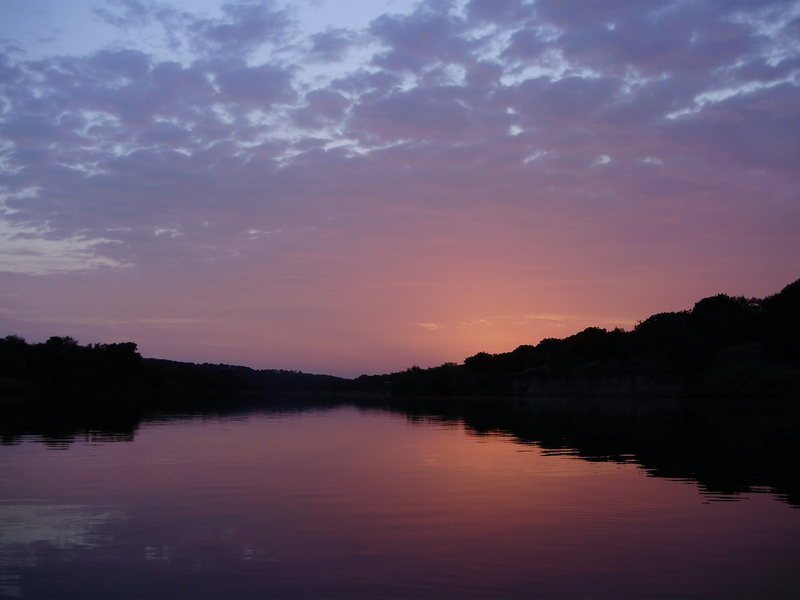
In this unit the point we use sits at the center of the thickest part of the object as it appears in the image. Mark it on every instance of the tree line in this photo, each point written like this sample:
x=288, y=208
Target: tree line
x=64, y=383
x=724, y=346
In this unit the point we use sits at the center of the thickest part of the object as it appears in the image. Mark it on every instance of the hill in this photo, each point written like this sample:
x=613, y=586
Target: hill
x=62, y=383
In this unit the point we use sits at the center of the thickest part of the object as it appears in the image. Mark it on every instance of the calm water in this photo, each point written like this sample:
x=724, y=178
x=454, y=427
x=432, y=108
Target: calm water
x=353, y=503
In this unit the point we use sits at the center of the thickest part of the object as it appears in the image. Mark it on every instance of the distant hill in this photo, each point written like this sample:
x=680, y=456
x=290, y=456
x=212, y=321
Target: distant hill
x=723, y=347
x=255, y=380
x=61, y=379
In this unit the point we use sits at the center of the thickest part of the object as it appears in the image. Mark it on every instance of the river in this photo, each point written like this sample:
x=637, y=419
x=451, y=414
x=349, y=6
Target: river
x=351, y=501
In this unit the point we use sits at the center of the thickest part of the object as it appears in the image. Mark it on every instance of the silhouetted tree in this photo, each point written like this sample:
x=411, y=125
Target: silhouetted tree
x=699, y=350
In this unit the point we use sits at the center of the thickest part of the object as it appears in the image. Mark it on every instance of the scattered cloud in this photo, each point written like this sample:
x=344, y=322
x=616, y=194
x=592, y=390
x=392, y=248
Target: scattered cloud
x=256, y=234
x=172, y=232
x=28, y=250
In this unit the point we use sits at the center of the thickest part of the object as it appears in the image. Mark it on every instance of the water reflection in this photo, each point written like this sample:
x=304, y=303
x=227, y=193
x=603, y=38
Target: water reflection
x=349, y=501
x=726, y=452
x=58, y=430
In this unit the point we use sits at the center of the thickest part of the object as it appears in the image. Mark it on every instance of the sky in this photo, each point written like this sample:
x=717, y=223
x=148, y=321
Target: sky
x=358, y=186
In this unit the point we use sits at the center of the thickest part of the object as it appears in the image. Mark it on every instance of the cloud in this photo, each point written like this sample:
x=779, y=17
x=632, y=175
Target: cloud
x=27, y=250
x=413, y=42
x=126, y=13
x=323, y=107
x=430, y=326
x=478, y=322
x=569, y=101
x=244, y=28
x=419, y=114
x=258, y=87
x=439, y=115
x=331, y=45
x=501, y=12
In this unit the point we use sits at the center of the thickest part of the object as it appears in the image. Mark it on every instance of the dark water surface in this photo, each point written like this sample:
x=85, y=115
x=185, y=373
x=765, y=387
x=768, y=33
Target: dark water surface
x=349, y=502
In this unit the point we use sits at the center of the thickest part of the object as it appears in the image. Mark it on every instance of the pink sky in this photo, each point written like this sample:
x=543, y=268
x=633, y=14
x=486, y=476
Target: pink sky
x=288, y=185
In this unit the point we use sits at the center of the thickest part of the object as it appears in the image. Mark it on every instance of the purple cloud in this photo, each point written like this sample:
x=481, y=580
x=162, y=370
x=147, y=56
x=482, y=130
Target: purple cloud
x=258, y=86
x=419, y=114
x=501, y=12
x=246, y=26
x=331, y=45
x=126, y=13
x=322, y=108
x=420, y=39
